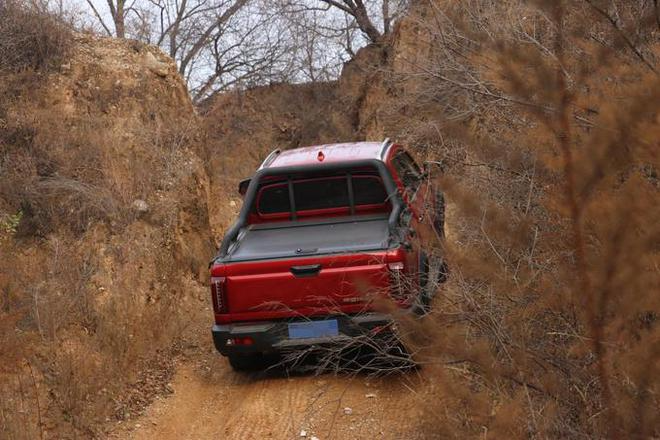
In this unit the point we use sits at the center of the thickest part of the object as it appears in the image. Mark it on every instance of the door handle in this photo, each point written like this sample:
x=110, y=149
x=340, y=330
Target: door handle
x=306, y=271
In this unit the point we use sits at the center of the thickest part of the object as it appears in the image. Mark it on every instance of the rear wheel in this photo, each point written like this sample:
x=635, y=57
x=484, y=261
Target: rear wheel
x=443, y=272
x=434, y=272
x=439, y=215
x=423, y=305
x=247, y=362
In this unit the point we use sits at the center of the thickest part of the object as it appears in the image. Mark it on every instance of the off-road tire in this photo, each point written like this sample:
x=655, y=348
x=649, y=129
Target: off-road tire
x=439, y=215
x=423, y=302
x=434, y=272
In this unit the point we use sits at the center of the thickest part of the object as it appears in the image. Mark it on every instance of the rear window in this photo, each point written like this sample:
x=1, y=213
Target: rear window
x=274, y=199
x=321, y=194
x=368, y=191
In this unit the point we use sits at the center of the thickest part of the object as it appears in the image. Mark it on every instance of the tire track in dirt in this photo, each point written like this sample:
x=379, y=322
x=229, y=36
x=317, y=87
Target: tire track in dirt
x=210, y=401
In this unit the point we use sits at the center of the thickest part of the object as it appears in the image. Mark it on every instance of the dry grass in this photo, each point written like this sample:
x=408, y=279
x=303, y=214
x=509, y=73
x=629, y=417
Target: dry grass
x=92, y=288
x=544, y=121
x=30, y=38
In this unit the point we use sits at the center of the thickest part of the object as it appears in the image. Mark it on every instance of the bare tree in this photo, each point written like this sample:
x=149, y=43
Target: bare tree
x=250, y=50
x=219, y=44
x=320, y=41
x=357, y=10
x=118, y=11
x=216, y=43
x=366, y=14
x=327, y=33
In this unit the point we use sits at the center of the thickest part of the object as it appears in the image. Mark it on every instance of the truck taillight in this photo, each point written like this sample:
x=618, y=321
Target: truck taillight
x=396, y=267
x=219, y=295
x=397, y=281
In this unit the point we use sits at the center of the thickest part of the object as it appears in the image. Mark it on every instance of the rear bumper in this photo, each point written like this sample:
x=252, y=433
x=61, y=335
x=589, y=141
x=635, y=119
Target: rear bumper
x=273, y=336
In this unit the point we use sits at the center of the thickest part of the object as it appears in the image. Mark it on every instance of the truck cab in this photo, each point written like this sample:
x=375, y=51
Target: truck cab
x=324, y=234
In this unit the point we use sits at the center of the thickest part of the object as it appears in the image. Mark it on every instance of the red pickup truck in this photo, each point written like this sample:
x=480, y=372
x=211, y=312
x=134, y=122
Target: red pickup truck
x=322, y=232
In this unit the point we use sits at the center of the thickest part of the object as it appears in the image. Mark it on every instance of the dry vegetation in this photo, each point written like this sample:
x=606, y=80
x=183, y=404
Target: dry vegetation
x=103, y=223
x=543, y=120
x=540, y=120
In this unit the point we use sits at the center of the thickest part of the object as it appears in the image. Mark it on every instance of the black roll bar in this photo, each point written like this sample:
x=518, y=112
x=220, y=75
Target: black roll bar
x=383, y=171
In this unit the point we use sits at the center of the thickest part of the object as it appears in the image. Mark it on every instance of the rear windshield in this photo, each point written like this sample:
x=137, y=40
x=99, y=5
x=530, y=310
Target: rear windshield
x=339, y=194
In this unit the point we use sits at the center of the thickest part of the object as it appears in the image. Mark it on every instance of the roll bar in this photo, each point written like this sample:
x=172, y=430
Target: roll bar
x=383, y=147
x=386, y=176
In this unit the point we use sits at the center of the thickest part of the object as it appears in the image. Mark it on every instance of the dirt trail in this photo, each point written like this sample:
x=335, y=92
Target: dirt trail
x=211, y=401
x=227, y=405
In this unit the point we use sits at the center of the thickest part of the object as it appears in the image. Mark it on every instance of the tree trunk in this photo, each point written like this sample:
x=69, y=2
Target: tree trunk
x=118, y=14
x=120, y=27
x=364, y=22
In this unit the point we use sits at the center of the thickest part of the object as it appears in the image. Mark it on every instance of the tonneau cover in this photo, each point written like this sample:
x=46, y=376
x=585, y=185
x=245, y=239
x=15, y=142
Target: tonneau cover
x=297, y=239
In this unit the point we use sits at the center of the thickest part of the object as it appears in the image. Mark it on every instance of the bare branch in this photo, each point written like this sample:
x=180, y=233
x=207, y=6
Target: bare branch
x=99, y=18
x=622, y=34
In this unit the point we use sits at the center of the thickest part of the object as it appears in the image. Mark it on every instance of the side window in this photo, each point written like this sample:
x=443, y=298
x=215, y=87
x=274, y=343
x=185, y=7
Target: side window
x=408, y=171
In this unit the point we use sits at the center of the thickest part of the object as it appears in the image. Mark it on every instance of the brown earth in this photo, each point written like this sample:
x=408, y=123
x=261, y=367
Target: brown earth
x=120, y=187
x=113, y=233
x=115, y=120
x=209, y=400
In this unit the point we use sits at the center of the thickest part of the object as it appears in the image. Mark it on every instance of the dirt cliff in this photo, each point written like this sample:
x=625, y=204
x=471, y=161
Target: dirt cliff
x=542, y=132
x=112, y=190
x=105, y=233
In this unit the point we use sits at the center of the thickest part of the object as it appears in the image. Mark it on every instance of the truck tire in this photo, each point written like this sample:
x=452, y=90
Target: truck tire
x=246, y=362
x=443, y=273
x=423, y=303
x=442, y=270
x=433, y=272
x=439, y=214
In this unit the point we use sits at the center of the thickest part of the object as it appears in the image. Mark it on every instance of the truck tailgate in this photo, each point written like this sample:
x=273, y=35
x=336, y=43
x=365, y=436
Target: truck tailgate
x=306, y=285
x=304, y=268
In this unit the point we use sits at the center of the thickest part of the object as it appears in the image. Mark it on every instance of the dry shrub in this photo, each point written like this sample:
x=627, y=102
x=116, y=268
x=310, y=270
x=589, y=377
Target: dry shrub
x=69, y=173
x=86, y=342
x=30, y=37
x=23, y=405
x=87, y=275
x=542, y=119
x=32, y=43
x=89, y=373
x=84, y=297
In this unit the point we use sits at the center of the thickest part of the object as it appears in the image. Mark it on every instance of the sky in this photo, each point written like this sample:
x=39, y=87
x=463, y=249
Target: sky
x=292, y=65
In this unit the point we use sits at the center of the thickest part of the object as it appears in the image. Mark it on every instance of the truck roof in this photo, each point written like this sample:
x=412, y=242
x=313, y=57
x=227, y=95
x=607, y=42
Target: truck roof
x=327, y=153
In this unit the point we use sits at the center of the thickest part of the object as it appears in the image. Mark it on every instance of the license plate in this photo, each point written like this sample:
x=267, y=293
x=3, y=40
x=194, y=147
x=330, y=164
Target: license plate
x=313, y=329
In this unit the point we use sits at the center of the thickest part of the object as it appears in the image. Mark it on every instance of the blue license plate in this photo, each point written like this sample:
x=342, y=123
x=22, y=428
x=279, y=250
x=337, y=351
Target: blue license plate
x=313, y=329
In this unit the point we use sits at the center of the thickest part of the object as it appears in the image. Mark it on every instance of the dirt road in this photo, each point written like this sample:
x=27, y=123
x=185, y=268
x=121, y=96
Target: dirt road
x=211, y=401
